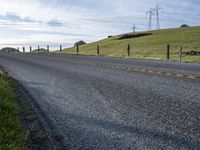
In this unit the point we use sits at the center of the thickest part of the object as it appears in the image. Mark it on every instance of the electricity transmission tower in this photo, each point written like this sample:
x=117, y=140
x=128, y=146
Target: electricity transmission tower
x=152, y=12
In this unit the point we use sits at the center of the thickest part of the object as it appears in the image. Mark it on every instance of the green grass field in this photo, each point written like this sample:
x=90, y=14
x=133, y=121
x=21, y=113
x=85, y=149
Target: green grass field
x=147, y=47
x=12, y=135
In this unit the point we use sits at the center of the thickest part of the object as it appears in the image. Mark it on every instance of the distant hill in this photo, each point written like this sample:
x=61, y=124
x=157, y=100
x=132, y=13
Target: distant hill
x=148, y=45
x=9, y=50
x=79, y=43
x=40, y=50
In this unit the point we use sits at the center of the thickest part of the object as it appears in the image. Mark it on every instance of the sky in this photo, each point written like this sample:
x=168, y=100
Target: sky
x=64, y=22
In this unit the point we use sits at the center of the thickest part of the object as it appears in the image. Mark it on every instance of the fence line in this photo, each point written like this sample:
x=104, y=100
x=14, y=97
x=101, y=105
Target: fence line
x=130, y=51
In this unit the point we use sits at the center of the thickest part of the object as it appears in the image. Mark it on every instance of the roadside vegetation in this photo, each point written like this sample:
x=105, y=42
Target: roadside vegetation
x=12, y=134
x=151, y=46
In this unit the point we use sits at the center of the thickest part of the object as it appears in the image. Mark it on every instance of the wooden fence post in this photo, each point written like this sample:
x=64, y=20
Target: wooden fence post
x=168, y=51
x=98, y=49
x=77, y=48
x=60, y=48
x=129, y=50
x=47, y=48
x=180, y=53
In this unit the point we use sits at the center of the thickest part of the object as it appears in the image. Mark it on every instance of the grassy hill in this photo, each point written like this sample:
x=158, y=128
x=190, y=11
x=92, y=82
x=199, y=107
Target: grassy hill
x=151, y=46
x=8, y=50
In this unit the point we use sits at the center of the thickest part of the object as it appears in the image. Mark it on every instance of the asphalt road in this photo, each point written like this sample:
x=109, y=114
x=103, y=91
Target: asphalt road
x=111, y=103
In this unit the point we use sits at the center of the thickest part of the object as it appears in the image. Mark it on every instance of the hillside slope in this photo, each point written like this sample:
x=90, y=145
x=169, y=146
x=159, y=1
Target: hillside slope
x=8, y=50
x=152, y=46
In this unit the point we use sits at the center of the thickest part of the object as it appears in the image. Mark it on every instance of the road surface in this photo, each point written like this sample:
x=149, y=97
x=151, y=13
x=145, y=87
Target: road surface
x=111, y=103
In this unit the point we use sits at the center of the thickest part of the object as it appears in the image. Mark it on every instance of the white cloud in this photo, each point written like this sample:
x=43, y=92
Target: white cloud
x=73, y=15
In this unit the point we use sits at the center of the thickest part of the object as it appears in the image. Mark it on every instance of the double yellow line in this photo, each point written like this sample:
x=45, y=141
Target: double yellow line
x=141, y=70
x=129, y=69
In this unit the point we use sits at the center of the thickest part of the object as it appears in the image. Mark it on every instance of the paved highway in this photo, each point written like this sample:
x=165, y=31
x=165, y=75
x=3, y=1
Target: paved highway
x=111, y=103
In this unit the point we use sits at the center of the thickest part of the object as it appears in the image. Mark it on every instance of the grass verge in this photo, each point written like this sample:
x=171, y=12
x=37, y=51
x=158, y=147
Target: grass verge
x=20, y=127
x=12, y=134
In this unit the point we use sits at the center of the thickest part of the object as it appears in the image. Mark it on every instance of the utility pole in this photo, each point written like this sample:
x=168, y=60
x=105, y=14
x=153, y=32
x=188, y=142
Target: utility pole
x=152, y=12
x=134, y=27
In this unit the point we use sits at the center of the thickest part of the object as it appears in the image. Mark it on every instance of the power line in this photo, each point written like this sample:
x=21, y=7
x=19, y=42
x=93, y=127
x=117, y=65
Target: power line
x=103, y=19
x=70, y=23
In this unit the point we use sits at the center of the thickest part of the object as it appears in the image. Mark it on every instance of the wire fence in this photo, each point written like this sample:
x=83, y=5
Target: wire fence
x=175, y=52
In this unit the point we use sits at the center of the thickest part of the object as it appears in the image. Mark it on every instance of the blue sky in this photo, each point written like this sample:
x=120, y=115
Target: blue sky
x=55, y=22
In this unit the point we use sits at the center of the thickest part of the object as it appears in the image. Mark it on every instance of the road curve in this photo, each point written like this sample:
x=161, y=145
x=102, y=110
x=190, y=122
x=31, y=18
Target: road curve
x=111, y=103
